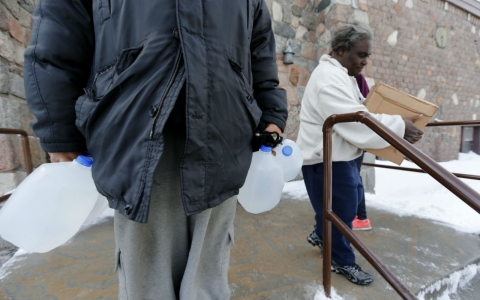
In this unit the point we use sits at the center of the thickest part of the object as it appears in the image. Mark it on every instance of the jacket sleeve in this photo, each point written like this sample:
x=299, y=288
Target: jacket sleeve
x=334, y=99
x=271, y=99
x=57, y=66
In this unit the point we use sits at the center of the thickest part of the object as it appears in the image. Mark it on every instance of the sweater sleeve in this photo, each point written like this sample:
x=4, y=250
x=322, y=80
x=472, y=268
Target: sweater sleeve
x=57, y=67
x=336, y=99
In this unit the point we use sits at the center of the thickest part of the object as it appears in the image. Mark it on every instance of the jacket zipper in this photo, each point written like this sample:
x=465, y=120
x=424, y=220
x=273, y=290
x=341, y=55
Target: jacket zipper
x=167, y=89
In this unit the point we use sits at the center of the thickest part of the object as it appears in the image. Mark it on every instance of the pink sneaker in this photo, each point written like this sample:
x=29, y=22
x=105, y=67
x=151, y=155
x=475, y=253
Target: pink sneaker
x=358, y=224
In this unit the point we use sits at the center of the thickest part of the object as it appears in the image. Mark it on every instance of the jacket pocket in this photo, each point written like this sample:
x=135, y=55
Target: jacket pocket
x=107, y=75
x=127, y=58
x=242, y=79
x=103, y=80
x=248, y=97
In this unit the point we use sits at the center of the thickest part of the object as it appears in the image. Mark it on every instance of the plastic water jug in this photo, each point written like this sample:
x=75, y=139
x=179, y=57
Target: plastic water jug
x=264, y=183
x=100, y=206
x=289, y=158
x=49, y=206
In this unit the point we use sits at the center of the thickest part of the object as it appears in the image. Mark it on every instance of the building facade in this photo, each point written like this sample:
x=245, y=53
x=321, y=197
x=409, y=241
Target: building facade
x=427, y=48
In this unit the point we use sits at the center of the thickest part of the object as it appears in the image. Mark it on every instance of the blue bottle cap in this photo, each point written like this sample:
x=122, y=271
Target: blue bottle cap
x=265, y=149
x=287, y=150
x=84, y=160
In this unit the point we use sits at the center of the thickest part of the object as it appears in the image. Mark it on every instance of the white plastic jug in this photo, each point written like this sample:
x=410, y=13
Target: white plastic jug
x=264, y=184
x=100, y=206
x=49, y=206
x=290, y=159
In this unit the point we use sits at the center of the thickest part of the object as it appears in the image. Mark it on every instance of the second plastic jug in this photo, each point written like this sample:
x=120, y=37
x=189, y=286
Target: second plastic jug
x=100, y=206
x=264, y=184
x=49, y=206
x=290, y=159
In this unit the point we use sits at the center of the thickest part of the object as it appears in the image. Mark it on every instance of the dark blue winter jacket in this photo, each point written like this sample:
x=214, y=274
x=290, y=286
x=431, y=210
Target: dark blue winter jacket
x=104, y=75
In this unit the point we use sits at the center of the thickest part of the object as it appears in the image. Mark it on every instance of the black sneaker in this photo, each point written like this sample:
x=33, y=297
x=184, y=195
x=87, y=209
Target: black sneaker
x=313, y=239
x=353, y=273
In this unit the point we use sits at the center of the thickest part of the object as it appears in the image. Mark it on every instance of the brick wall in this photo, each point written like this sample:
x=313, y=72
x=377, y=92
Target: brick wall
x=409, y=58
x=15, y=30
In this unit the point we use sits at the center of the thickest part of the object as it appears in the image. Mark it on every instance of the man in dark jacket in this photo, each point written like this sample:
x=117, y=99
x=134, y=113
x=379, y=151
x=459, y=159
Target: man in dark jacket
x=166, y=97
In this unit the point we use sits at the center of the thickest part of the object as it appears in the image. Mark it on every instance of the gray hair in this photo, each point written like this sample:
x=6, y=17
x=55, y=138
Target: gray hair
x=349, y=35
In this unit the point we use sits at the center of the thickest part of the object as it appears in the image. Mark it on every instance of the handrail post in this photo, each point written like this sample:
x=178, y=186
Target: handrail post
x=26, y=153
x=327, y=208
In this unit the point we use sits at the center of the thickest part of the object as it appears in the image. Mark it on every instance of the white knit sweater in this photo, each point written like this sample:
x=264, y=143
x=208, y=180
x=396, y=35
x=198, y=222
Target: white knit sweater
x=329, y=91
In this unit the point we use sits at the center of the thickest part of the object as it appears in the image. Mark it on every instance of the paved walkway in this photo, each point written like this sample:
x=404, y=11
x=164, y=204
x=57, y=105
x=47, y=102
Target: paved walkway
x=271, y=260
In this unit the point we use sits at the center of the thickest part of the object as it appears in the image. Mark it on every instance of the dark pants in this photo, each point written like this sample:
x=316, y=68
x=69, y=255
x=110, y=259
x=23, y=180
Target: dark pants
x=347, y=191
x=362, y=209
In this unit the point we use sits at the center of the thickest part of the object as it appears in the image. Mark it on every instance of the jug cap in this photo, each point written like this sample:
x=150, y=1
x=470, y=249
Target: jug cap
x=287, y=150
x=264, y=148
x=84, y=160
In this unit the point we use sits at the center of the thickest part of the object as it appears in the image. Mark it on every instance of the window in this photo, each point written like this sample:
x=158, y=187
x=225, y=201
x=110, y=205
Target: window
x=470, y=139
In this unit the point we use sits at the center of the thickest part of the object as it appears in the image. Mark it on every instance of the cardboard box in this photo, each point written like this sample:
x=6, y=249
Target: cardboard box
x=388, y=100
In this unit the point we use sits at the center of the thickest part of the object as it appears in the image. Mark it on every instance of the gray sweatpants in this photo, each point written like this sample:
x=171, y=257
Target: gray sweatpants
x=174, y=256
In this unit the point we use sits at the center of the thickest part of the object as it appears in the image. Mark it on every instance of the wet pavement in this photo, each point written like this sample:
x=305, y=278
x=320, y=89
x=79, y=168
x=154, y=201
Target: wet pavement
x=271, y=259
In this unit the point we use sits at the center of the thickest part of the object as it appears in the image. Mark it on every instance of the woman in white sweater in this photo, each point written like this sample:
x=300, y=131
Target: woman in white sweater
x=332, y=89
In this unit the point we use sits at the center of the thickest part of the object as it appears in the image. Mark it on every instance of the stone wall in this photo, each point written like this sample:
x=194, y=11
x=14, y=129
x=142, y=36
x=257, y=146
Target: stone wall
x=295, y=24
x=15, y=30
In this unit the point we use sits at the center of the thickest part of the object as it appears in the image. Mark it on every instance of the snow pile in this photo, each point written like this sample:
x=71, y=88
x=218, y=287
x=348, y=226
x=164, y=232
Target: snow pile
x=8, y=266
x=296, y=190
x=316, y=292
x=452, y=283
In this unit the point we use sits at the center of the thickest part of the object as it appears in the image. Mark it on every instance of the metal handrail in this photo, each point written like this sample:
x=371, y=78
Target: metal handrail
x=459, y=175
x=453, y=123
x=434, y=124
x=447, y=179
x=27, y=156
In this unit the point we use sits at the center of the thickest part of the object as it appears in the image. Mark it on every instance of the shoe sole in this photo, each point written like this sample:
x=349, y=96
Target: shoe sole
x=314, y=244
x=362, y=229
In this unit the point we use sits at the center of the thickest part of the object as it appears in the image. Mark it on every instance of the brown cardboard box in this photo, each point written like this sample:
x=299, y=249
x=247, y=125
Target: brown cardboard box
x=388, y=100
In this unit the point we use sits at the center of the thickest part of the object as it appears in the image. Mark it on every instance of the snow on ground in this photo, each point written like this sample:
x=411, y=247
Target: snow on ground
x=453, y=283
x=417, y=194
x=316, y=292
x=7, y=267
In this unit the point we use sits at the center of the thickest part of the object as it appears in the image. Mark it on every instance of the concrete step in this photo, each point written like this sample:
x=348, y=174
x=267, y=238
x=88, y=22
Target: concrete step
x=464, y=283
x=271, y=260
